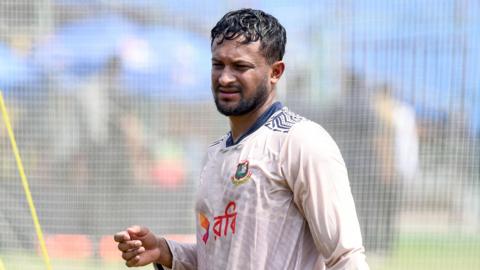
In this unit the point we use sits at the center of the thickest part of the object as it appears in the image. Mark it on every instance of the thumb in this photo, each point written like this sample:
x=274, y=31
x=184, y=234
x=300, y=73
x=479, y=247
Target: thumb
x=137, y=232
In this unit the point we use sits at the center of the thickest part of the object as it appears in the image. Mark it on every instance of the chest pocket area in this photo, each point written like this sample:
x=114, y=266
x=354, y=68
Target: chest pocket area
x=258, y=182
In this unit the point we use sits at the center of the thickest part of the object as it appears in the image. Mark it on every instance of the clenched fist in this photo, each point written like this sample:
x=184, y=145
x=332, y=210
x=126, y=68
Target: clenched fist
x=140, y=247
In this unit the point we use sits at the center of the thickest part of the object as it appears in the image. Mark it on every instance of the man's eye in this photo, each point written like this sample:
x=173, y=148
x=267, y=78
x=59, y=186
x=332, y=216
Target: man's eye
x=217, y=65
x=242, y=67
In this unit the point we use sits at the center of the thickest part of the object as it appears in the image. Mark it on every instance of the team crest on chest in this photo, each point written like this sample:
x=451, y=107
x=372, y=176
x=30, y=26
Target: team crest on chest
x=242, y=175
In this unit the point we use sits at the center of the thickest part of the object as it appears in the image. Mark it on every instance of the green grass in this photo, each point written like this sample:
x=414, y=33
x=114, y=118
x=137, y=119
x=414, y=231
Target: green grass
x=433, y=252
x=17, y=261
x=412, y=252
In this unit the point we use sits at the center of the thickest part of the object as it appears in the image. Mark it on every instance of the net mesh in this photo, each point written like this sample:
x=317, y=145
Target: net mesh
x=111, y=108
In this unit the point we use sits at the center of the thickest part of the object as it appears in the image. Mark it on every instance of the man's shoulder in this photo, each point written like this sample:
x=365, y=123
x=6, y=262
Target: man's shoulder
x=288, y=122
x=296, y=127
x=284, y=120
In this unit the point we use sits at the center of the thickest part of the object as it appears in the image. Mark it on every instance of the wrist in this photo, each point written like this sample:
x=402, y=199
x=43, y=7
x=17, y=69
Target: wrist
x=165, y=257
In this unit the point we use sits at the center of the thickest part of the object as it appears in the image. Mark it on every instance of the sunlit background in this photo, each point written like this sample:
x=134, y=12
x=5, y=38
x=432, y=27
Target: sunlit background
x=112, y=112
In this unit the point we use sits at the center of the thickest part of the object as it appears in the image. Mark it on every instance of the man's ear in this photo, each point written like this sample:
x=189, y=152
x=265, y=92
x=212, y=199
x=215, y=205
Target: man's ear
x=277, y=71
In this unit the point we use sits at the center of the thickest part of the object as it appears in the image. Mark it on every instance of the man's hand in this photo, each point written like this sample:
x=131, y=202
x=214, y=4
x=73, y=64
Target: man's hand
x=140, y=247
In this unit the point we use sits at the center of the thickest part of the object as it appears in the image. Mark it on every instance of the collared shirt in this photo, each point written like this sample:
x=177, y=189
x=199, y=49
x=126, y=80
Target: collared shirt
x=278, y=198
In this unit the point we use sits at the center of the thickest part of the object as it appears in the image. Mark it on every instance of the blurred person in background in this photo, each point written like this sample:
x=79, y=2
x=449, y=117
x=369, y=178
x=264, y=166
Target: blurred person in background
x=377, y=135
x=274, y=191
x=103, y=142
x=354, y=123
x=93, y=163
x=398, y=149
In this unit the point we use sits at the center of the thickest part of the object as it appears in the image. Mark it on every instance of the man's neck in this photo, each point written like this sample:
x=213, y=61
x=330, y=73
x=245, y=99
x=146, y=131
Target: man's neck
x=241, y=123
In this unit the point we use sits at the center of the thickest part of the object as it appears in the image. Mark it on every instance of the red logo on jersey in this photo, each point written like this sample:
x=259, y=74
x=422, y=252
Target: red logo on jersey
x=219, y=220
x=222, y=223
x=204, y=223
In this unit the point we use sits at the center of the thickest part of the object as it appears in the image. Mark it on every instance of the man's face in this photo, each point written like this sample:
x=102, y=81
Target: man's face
x=240, y=77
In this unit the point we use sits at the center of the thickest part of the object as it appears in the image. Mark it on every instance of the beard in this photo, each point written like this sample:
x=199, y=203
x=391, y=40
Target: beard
x=245, y=105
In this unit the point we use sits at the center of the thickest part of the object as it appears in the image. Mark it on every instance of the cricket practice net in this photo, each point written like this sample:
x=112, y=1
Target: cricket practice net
x=111, y=109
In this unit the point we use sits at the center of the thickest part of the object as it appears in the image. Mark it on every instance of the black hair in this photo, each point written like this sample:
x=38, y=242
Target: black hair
x=253, y=25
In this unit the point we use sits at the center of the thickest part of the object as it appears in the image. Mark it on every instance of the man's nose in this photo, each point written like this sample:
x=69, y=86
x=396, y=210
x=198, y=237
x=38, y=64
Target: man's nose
x=226, y=77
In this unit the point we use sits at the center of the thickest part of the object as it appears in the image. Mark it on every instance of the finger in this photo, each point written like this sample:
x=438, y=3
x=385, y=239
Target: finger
x=138, y=231
x=133, y=262
x=127, y=245
x=121, y=236
x=129, y=255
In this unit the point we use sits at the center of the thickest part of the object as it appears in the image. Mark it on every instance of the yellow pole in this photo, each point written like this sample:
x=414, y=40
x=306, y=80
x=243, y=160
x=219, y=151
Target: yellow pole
x=28, y=195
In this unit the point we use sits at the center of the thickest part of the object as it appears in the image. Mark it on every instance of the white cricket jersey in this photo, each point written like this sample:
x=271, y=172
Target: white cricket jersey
x=279, y=198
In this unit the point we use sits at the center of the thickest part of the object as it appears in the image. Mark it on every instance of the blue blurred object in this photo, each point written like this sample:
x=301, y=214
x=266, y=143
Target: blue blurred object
x=83, y=47
x=77, y=2
x=434, y=66
x=134, y=3
x=168, y=63
x=206, y=12
x=15, y=71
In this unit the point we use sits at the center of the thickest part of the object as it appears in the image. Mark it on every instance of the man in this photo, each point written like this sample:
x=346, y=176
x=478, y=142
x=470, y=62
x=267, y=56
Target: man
x=274, y=191
x=397, y=147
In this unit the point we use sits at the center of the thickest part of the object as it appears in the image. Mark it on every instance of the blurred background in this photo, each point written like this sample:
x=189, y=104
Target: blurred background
x=111, y=107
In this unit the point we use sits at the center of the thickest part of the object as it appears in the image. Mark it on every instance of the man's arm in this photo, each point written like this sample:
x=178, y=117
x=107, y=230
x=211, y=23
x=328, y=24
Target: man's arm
x=316, y=172
x=184, y=256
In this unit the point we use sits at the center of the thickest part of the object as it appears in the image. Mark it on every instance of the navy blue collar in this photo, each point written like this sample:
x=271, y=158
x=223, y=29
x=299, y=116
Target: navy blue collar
x=260, y=122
